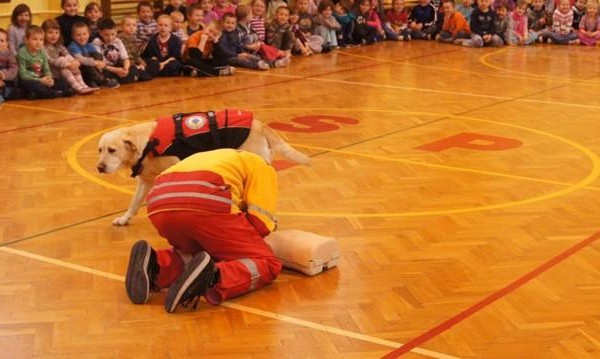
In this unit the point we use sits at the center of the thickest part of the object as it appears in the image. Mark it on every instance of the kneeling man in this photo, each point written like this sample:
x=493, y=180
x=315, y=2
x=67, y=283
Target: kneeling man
x=214, y=208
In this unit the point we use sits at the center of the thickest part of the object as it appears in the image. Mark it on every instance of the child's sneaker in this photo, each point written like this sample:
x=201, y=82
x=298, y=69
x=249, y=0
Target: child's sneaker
x=262, y=65
x=549, y=41
x=141, y=272
x=198, y=276
x=1, y=99
x=227, y=71
x=111, y=83
x=408, y=37
x=85, y=90
x=540, y=39
x=400, y=38
x=283, y=62
x=574, y=42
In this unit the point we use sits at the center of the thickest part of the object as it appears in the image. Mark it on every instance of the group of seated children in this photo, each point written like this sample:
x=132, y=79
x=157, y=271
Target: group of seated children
x=75, y=54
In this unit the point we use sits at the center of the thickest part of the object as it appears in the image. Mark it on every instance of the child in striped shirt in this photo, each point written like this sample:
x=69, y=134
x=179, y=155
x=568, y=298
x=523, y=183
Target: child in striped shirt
x=562, y=26
x=257, y=23
x=146, y=26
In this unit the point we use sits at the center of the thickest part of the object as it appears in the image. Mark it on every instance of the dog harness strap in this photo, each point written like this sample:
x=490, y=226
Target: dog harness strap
x=178, y=119
x=137, y=168
x=214, y=128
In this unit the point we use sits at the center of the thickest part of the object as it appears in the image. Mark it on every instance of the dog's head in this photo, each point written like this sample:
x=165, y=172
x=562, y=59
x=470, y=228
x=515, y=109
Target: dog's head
x=115, y=149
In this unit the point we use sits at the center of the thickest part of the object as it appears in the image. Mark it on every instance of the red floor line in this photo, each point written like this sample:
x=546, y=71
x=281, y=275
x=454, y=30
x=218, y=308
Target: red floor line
x=195, y=97
x=442, y=327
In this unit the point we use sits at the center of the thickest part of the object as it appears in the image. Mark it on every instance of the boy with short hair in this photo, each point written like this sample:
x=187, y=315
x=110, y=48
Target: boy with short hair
x=8, y=69
x=35, y=77
x=91, y=60
x=537, y=17
x=578, y=12
x=178, y=29
x=127, y=36
x=195, y=14
x=118, y=65
x=198, y=59
x=146, y=26
x=164, y=49
x=455, y=26
x=483, y=28
x=279, y=32
x=230, y=51
x=422, y=20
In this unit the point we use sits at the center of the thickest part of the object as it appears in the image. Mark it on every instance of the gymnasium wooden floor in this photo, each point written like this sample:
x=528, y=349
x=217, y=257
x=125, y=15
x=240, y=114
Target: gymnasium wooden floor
x=461, y=184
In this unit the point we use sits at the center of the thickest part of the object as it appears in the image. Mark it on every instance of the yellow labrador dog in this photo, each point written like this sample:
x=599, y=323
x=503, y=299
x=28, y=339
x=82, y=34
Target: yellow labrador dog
x=141, y=148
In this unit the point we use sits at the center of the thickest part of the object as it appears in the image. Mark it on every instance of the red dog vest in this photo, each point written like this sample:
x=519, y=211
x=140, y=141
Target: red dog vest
x=183, y=135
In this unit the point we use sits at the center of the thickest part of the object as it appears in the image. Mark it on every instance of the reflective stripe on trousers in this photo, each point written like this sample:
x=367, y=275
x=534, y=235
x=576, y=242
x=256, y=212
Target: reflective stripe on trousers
x=253, y=269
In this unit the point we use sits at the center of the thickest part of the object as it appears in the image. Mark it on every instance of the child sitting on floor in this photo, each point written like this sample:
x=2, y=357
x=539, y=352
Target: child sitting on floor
x=483, y=27
x=578, y=12
x=230, y=51
x=396, y=22
x=345, y=17
x=35, y=77
x=164, y=49
x=62, y=64
x=69, y=18
x=258, y=22
x=89, y=58
x=501, y=22
x=198, y=58
x=422, y=20
x=178, y=29
x=455, y=26
x=518, y=32
x=8, y=69
x=562, y=26
x=589, y=27
x=363, y=34
x=279, y=34
x=195, y=19
x=146, y=26
x=537, y=18
x=326, y=25
x=19, y=20
x=93, y=13
x=127, y=36
x=118, y=65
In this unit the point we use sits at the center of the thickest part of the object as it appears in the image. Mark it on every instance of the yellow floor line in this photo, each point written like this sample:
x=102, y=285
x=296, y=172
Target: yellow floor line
x=242, y=308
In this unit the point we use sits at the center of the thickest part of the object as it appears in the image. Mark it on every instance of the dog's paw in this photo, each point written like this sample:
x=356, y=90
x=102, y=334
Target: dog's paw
x=121, y=221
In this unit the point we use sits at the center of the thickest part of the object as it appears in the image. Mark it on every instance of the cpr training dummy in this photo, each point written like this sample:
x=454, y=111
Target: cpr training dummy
x=215, y=209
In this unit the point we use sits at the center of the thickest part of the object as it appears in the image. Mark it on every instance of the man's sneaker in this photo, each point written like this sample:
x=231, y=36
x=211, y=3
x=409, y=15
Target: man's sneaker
x=141, y=272
x=262, y=65
x=193, y=283
x=283, y=62
x=227, y=71
x=111, y=83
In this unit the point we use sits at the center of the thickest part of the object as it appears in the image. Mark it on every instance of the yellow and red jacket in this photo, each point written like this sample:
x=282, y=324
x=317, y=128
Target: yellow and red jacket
x=217, y=182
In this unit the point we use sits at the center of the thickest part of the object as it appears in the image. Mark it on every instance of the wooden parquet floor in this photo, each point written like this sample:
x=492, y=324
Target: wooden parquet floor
x=461, y=184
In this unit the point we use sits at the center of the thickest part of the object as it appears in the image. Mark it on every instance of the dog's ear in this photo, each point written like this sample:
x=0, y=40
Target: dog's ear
x=129, y=143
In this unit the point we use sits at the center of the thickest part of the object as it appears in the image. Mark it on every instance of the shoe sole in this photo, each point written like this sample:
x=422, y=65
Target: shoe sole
x=137, y=282
x=182, y=283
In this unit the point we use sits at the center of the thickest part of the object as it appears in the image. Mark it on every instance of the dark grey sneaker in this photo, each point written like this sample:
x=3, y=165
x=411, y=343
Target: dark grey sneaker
x=141, y=272
x=192, y=284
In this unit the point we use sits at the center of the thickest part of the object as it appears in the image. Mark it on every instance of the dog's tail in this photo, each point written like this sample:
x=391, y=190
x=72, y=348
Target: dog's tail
x=278, y=144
